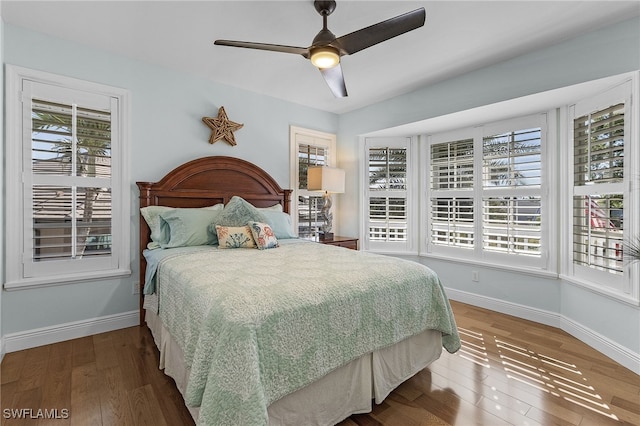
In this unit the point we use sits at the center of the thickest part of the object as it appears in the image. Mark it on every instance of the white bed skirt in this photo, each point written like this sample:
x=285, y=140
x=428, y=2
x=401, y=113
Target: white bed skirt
x=345, y=391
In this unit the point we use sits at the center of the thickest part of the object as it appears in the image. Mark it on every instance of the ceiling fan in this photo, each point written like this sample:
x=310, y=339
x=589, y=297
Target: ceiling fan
x=326, y=49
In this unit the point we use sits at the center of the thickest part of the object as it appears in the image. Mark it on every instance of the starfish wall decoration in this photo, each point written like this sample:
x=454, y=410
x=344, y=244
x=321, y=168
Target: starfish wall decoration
x=221, y=127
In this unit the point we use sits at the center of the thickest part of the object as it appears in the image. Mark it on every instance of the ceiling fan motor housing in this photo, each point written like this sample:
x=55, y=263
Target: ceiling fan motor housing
x=323, y=38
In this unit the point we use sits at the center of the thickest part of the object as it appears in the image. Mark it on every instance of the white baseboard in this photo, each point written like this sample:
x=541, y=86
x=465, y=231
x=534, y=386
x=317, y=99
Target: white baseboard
x=606, y=346
x=603, y=344
x=521, y=311
x=71, y=330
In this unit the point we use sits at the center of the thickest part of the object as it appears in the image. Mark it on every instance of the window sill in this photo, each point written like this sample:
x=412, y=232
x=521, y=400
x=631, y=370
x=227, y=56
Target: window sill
x=393, y=253
x=601, y=291
x=501, y=267
x=31, y=283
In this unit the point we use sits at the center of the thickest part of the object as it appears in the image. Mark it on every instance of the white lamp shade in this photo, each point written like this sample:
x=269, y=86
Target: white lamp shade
x=326, y=179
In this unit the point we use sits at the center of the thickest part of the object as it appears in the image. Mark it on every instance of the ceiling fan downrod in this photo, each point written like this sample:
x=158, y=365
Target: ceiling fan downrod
x=324, y=36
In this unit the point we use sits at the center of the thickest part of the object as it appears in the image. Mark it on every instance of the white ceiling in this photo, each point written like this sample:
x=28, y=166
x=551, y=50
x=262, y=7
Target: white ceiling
x=458, y=37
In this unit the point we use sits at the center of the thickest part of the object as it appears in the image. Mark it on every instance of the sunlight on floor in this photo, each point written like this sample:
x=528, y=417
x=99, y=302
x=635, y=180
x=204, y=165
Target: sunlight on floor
x=544, y=373
x=473, y=347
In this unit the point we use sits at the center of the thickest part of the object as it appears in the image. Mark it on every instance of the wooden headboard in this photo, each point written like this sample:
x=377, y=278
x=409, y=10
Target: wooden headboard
x=204, y=182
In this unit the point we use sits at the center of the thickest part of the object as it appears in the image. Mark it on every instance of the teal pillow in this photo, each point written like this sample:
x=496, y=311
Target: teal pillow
x=237, y=212
x=160, y=234
x=189, y=227
x=275, y=207
x=280, y=222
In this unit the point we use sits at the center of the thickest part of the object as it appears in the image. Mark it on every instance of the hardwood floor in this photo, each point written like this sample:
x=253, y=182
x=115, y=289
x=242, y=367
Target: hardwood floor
x=508, y=372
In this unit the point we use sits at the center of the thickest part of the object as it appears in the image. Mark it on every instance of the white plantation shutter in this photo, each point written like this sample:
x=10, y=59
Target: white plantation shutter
x=598, y=232
x=71, y=149
x=512, y=159
x=452, y=165
x=452, y=222
x=512, y=225
x=387, y=189
x=69, y=180
x=598, y=146
x=512, y=170
x=485, y=187
x=70, y=195
x=599, y=193
x=602, y=211
x=452, y=203
x=387, y=218
x=387, y=202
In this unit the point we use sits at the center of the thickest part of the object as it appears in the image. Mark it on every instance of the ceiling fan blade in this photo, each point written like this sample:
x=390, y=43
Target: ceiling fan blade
x=304, y=51
x=377, y=33
x=335, y=80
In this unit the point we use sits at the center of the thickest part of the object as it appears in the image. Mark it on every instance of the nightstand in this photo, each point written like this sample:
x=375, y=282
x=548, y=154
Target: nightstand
x=346, y=242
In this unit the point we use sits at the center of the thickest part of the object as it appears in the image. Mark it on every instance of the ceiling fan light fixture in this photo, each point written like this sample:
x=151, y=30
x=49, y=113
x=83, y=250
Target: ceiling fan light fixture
x=325, y=57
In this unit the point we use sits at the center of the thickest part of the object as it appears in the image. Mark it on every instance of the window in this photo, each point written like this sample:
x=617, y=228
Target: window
x=484, y=191
x=66, y=142
x=309, y=148
x=555, y=194
x=600, y=213
x=452, y=204
x=511, y=188
x=387, y=195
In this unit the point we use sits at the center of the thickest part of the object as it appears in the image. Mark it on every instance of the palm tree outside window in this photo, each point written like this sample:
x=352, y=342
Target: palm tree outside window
x=70, y=221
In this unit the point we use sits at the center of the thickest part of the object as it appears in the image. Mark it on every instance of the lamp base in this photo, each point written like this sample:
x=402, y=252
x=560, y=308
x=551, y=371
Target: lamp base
x=326, y=236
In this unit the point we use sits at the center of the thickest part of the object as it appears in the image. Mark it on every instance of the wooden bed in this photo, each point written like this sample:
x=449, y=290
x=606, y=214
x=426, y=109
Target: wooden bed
x=203, y=182
x=371, y=376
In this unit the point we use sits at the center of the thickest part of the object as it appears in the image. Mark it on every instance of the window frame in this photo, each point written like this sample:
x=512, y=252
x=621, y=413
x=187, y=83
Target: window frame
x=410, y=246
x=546, y=263
x=16, y=176
x=329, y=144
x=428, y=248
x=618, y=287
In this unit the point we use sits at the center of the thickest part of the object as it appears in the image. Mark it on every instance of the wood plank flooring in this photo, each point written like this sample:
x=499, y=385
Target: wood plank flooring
x=509, y=372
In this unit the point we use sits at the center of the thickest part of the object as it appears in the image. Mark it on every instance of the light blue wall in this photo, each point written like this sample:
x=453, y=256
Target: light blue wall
x=167, y=130
x=567, y=63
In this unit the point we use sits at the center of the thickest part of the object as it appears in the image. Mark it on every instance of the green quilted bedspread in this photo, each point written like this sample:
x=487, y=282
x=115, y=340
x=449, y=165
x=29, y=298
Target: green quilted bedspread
x=256, y=325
